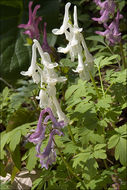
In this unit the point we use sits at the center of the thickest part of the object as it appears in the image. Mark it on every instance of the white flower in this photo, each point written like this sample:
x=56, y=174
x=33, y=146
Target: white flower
x=33, y=69
x=76, y=28
x=43, y=97
x=80, y=66
x=60, y=114
x=76, y=47
x=45, y=58
x=89, y=57
x=64, y=26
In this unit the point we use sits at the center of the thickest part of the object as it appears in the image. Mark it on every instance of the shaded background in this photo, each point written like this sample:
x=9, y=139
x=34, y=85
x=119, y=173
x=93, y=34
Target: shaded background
x=14, y=56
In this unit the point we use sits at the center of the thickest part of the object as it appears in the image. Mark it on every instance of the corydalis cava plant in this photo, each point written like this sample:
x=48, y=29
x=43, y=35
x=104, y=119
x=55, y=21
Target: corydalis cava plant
x=48, y=156
x=76, y=46
x=32, y=27
x=112, y=34
x=47, y=77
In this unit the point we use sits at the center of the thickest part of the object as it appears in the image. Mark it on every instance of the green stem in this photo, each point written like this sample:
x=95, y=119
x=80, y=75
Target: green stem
x=94, y=84
x=69, y=167
x=101, y=81
x=71, y=134
x=123, y=57
x=9, y=85
x=113, y=54
x=108, y=88
x=105, y=163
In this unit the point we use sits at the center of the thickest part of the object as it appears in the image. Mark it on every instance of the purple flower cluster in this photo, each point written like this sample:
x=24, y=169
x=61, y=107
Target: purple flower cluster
x=107, y=9
x=31, y=27
x=111, y=33
x=48, y=156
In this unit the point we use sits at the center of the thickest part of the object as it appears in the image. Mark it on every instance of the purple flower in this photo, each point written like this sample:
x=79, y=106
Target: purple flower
x=103, y=18
x=45, y=45
x=47, y=48
x=107, y=9
x=48, y=156
x=32, y=26
x=112, y=33
x=39, y=133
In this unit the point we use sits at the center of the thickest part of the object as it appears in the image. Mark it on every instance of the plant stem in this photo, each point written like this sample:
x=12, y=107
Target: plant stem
x=71, y=134
x=94, y=84
x=105, y=163
x=123, y=57
x=101, y=81
x=113, y=54
x=69, y=167
x=108, y=88
x=9, y=85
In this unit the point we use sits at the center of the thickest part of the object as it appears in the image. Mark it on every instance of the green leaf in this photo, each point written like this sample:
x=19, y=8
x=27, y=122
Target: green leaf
x=104, y=102
x=2, y=169
x=122, y=130
x=113, y=141
x=5, y=92
x=32, y=159
x=70, y=148
x=16, y=157
x=70, y=91
x=96, y=38
x=100, y=154
x=82, y=157
x=36, y=183
x=83, y=107
x=99, y=146
x=121, y=151
x=4, y=138
x=14, y=172
x=14, y=140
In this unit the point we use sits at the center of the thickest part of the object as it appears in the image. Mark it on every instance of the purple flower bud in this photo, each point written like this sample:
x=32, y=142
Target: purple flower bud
x=32, y=26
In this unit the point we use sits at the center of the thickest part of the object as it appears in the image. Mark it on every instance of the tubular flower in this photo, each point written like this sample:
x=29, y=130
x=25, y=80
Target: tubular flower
x=64, y=26
x=112, y=33
x=31, y=28
x=76, y=46
x=33, y=69
x=107, y=9
x=48, y=156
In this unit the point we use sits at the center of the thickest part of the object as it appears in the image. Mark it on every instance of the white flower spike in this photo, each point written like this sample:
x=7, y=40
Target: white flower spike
x=76, y=46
